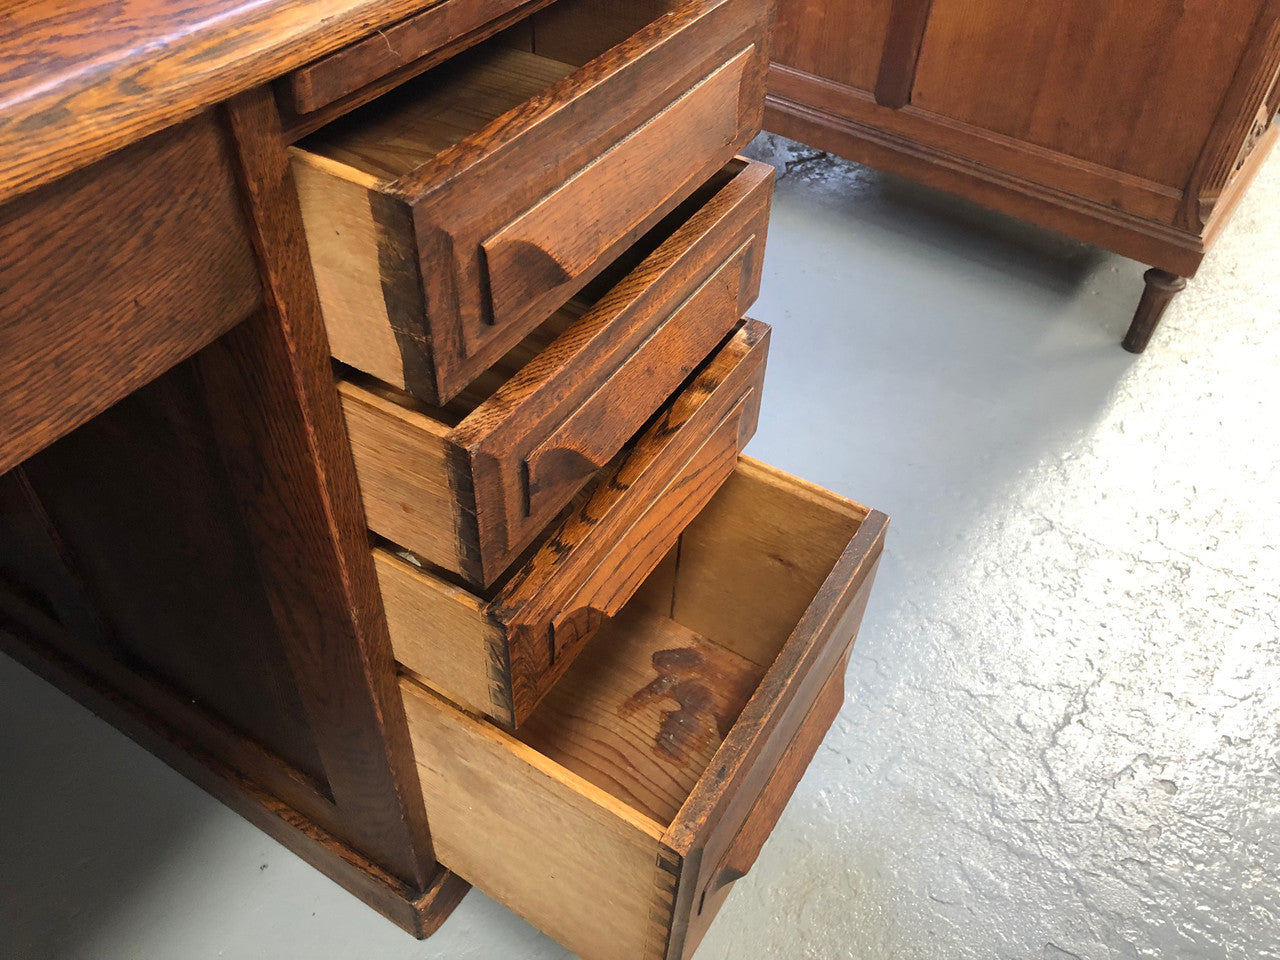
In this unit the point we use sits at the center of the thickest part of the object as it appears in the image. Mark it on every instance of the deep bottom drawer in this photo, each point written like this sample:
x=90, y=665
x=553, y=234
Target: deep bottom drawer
x=619, y=816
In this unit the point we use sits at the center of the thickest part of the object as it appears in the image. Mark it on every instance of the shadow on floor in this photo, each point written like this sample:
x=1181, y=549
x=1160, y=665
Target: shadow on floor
x=91, y=822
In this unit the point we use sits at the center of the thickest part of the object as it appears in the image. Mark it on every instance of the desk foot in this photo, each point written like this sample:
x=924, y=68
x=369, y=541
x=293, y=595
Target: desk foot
x=1162, y=287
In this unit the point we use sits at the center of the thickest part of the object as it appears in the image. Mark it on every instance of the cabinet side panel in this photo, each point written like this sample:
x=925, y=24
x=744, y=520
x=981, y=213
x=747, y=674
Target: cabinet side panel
x=111, y=276
x=841, y=40
x=146, y=520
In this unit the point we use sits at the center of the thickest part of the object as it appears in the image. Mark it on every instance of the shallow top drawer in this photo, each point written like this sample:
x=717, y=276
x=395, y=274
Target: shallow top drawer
x=451, y=217
x=357, y=73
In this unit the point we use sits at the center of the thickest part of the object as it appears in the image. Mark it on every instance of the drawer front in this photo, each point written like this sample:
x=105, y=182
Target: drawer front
x=453, y=263
x=569, y=412
x=531, y=221
x=363, y=69
x=598, y=558
x=499, y=657
x=723, y=826
x=555, y=823
x=531, y=260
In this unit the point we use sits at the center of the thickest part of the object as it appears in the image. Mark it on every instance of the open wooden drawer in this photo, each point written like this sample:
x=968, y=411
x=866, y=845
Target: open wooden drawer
x=498, y=651
x=469, y=485
x=646, y=782
x=449, y=218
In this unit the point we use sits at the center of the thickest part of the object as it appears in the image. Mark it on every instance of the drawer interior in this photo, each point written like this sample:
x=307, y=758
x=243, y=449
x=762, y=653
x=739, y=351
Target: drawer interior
x=627, y=801
x=643, y=710
x=405, y=128
x=517, y=365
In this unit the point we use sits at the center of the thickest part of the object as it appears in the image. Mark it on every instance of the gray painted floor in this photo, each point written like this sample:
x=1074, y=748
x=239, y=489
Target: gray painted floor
x=1062, y=734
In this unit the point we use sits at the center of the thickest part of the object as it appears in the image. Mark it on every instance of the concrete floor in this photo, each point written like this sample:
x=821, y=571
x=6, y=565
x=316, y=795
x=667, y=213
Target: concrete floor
x=1062, y=733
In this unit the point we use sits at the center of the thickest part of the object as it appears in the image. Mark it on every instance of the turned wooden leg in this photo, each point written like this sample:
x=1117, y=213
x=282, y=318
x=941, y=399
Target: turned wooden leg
x=1162, y=287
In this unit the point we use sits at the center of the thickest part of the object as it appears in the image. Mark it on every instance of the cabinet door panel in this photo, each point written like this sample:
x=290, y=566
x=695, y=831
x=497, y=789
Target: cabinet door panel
x=1132, y=90
x=839, y=40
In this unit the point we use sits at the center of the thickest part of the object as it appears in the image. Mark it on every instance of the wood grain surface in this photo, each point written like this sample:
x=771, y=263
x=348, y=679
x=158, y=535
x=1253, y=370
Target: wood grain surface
x=499, y=651
x=1135, y=133
x=111, y=278
x=545, y=433
x=527, y=186
x=82, y=78
x=146, y=481
x=786, y=766
x=572, y=859
x=659, y=731
x=901, y=53
x=1134, y=94
x=472, y=496
x=403, y=460
x=277, y=416
x=415, y=43
x=739, y=549
x=412, y=124
x=598, y=557
x=1050, y=190
x=642, y=712
x=418, y=912
x=532, y=259
x=1159, y=291
x=838, y=40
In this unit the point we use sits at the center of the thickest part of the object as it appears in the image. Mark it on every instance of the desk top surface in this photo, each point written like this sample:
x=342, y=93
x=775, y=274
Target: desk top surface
x=81, y=78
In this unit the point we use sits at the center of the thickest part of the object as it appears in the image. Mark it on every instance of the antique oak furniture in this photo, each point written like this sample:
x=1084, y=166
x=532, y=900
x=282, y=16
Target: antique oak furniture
x=376, y=380
x=1133, y=127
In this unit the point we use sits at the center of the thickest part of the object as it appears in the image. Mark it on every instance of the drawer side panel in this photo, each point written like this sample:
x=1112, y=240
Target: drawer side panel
x=441, y=631
x=553, y=848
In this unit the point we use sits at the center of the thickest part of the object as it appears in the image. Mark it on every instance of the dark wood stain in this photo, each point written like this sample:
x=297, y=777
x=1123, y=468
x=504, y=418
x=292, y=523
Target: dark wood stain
x=138, y=713
x=502, y=207
x=688, y=729
x=321, y=92
x=633, y=516
x=402, y=293
x=724, y=822
x=646, y=321
x=902, y=52
x=1136, y=134
x=293, y=475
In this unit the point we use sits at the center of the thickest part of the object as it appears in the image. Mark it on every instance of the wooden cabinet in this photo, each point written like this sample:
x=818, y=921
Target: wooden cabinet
x=1131, y=129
